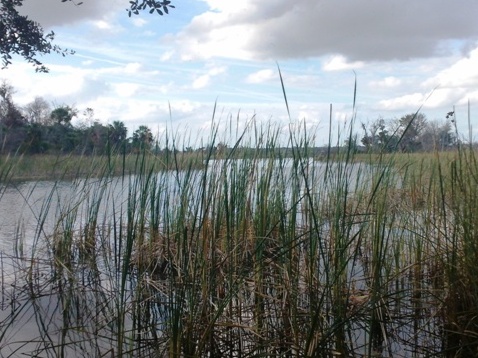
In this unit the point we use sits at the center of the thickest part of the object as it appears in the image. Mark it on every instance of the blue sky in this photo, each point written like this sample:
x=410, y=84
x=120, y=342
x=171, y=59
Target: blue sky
x=138, y=69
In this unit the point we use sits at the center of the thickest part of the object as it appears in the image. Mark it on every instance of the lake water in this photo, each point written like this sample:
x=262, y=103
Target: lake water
x=31, y=212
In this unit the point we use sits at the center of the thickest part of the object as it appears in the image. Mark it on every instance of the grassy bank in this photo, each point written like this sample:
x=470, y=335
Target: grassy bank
x=56, y=167
x=253, y=256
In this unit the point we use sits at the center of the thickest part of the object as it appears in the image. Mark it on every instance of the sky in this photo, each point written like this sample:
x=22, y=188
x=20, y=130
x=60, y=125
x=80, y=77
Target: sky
x=220, y=59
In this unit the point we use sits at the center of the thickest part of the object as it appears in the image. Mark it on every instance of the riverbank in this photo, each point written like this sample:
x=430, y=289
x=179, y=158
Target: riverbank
x=63, y=167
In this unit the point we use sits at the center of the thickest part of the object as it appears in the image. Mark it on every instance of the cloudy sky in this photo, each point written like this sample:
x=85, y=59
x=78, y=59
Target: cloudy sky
x=168, y=72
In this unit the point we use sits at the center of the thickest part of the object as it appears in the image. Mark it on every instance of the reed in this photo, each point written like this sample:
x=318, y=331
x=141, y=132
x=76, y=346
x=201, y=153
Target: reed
x=249, y=253
x=70, y=167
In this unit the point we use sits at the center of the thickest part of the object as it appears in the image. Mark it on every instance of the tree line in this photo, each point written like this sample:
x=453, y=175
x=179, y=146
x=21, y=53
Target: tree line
x=38, y=128
x=410, y=133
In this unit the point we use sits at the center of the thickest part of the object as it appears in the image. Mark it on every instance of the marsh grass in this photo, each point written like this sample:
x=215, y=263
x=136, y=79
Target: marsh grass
x=69, y=167
x=249, y=253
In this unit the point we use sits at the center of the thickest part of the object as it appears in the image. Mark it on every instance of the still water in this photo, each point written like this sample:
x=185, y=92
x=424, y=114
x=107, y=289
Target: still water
x=32, y=308
x=30, y=211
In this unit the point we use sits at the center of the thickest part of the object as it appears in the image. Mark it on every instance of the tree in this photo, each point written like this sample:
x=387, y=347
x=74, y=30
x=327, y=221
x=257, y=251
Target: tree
x=97, y=138
x=380, y=136
x=438, y=135
x=63, y=115
x=142, y=138
x=10, y=115
x=410, y=131
x=38, y=111
x=34, y=143
x=21, y=36
x=117, y=133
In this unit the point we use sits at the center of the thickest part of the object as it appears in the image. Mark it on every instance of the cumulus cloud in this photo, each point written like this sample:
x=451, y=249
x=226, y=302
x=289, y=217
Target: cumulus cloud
x=438, y=98
x=368, y=30
x=464, y=73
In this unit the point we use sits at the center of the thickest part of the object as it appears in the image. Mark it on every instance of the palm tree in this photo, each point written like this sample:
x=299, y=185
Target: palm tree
x=117, y=133
x=142, y=138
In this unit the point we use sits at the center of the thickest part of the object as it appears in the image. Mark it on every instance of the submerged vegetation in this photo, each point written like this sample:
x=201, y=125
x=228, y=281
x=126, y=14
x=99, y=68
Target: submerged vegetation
x=247, y=254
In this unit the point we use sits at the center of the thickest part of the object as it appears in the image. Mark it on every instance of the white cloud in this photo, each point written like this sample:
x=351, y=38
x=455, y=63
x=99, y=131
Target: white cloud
x=262, y=76
x=103, y=25
x=166, y=56
x=387, y=82
x=132, y=68
x=67, y=82
x=204, y=80
x=201, y=82
x=412, y=102
x=227, y=42
x=126, y=89
x=464, y=73
x=408, y=101
x=139, y=21
x=452, y=85
x=340, y=63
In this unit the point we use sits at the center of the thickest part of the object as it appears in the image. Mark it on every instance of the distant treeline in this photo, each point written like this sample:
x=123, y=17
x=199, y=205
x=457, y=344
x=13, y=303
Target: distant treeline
x=37, y=128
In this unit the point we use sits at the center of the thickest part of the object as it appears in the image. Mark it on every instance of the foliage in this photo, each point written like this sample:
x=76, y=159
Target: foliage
x=142, y=138
x=37, y=129
x=411, y=133
x=10, y=115
x=22, y=36
x=117, y=133
x=63, y=114
x=379, y=136
x=411, y=127
x=160, y=7
x=38, y=111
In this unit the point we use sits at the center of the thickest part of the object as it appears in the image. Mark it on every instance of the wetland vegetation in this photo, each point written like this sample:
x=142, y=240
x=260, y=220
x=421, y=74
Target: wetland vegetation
x=245, y=253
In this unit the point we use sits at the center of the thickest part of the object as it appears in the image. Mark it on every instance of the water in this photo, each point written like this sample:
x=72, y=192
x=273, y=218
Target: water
x=75, y=307
x=30, y=210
